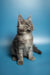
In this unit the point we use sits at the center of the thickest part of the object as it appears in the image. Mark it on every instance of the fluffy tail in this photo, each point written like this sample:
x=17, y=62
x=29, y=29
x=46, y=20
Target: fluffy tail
x=36, y=50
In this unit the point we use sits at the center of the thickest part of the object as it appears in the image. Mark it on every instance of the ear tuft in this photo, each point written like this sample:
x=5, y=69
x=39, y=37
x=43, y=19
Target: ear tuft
x=20, y=19
x=29, y=18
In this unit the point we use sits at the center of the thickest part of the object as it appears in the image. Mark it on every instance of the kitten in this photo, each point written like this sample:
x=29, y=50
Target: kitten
x=23, y=42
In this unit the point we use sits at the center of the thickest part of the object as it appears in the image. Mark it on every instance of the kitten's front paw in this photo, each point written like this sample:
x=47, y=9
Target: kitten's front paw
x=32, y=58
x=20, y=62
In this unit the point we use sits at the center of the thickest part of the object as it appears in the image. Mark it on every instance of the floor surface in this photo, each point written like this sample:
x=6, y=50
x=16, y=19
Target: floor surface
x=40, y=66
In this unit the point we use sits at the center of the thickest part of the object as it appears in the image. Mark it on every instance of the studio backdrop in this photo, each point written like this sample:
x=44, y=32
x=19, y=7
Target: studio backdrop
x=40, y=17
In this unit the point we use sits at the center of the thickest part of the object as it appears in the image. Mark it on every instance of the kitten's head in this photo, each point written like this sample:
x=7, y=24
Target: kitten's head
x=24, y=25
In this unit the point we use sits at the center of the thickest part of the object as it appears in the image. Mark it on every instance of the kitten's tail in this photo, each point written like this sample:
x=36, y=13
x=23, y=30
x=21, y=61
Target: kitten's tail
x=36, y=50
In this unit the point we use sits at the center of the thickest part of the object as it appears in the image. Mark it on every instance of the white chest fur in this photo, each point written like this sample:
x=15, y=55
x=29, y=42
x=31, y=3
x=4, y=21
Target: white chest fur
x=27, y=36
x=28, y=39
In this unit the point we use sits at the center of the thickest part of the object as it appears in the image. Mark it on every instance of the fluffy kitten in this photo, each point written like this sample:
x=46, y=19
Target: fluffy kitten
x=23, y=42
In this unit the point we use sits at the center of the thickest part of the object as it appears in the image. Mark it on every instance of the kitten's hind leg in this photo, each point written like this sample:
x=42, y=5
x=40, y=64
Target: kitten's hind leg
x=13, y=54
x=14, y=58
x=20, y=58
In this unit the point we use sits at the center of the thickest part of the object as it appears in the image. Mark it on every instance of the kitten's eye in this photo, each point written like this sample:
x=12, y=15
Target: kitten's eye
x=28, y=30
x=26, y=23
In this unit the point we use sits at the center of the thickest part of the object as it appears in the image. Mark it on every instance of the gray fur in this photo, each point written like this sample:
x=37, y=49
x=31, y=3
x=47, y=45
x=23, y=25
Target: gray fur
x=23, y=42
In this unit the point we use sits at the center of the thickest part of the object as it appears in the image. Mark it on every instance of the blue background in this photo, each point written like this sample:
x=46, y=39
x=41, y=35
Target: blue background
x=40, y=14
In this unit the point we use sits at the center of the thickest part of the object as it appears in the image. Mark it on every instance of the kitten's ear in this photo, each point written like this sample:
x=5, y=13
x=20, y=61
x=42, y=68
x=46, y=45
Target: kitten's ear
x=29, y=18
x=20, y=19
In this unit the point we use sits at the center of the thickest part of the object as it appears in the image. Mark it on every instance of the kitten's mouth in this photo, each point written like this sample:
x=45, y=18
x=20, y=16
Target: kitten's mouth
x=21, y=30
x=28, y=30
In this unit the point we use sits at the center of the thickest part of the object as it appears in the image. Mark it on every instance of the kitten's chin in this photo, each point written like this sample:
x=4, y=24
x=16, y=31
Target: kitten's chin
x=27, y=32
x=21, y=33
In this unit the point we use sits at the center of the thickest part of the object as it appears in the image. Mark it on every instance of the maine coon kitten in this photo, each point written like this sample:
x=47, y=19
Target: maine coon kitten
x=23, y=42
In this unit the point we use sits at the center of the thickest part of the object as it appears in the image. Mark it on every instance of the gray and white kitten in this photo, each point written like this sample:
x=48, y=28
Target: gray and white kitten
x=23, y=42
